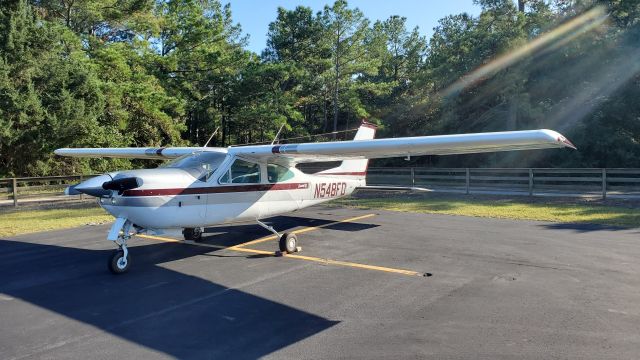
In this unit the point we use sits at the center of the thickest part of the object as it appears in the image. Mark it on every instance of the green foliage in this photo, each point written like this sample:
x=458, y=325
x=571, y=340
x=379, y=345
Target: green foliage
x=49, y=92
x=136, y=102
x=200, y=57
x=112, y=73
x=106, y=19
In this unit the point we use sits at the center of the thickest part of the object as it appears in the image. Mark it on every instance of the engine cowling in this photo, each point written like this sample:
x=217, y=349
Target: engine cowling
x=122, y=184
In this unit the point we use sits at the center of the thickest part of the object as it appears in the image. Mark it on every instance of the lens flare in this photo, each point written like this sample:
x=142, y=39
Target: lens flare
x=553, y=39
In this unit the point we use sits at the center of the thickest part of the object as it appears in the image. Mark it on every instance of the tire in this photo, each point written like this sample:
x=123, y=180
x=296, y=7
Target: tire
x=288, y=243
x=194, y=234
x=117, y=265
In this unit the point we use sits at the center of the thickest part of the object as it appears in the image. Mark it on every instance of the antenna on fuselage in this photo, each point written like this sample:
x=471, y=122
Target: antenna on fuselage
x=278, y=134
x=211, y=137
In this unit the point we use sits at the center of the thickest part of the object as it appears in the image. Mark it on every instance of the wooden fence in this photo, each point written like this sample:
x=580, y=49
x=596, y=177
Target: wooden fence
x=622, y=183
x=38, y=189
x=519, y=181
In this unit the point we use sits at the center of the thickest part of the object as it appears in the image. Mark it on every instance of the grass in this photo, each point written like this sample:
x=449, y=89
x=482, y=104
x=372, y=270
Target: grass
x=29, y=221
x=551, y=211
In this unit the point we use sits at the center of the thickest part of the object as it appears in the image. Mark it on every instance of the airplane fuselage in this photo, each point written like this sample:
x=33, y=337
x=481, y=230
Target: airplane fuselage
x=190, y=203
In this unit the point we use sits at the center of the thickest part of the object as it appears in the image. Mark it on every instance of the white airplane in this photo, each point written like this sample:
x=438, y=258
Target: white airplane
x=206, y=186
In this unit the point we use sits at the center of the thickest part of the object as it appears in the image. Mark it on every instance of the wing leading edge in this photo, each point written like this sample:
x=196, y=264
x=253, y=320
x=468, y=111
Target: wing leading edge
x=133, y=153
x=355, y=149
x=412, y=146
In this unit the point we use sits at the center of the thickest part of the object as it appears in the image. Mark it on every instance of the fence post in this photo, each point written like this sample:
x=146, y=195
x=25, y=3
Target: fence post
x=604, y=183
x=14, y=184
x=413, y=176
x=467, y=180
x=81, y=194
x=530, y=182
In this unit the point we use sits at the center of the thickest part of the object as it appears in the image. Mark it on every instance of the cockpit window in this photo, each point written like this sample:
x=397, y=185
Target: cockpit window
x=242, y=172
x=277, y=173
x=200, y=165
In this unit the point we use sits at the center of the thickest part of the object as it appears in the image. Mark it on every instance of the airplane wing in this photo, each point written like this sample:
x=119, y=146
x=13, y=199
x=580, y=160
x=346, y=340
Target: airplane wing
x=408, y=146
x=354, y=149
x=129, y=153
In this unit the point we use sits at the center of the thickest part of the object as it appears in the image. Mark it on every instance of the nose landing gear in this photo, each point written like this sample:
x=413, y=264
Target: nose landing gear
x=121, y=231
x=120, y=261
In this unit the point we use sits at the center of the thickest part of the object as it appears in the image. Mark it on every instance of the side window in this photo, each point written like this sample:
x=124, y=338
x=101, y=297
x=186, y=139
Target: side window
x=277, y=173
x=242, y=172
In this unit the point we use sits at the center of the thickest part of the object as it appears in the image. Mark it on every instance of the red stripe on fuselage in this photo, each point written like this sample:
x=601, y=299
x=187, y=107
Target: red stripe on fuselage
x=216, y=189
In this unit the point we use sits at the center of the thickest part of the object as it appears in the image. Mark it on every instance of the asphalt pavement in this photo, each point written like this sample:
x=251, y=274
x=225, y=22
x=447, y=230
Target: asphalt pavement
x=499, y=289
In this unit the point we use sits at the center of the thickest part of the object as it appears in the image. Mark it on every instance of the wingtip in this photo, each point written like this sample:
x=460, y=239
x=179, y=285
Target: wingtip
x=556, y=136
x=569, y=144
x=62, y=151
x=566, y=142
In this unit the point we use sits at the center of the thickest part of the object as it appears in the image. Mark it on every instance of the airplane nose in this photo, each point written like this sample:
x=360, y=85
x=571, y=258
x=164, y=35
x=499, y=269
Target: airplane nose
x=91, y=187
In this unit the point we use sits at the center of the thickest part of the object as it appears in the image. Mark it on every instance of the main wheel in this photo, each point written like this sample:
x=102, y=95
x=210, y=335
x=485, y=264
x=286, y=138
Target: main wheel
x=118, y=264
x=194, y=234
x=288, y=243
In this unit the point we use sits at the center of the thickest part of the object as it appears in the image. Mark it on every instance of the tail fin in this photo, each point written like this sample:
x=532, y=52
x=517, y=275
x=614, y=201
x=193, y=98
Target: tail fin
x=356, y=167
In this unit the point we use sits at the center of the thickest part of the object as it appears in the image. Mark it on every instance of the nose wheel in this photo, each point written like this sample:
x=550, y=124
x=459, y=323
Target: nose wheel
x=120, y=261
x=121, y=231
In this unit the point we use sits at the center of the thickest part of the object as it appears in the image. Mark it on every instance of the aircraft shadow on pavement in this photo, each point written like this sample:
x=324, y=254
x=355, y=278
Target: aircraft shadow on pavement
x=180, y=315
x=238, y=234
x=584, y=227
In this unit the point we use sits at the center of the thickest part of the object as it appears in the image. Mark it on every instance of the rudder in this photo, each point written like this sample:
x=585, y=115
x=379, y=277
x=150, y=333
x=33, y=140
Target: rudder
x=356, y=167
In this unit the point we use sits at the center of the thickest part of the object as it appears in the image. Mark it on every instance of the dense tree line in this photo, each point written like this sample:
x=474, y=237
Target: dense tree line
x=109, y=73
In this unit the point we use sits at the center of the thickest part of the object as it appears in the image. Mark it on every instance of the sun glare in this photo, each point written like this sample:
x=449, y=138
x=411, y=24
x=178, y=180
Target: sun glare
x=553, y=39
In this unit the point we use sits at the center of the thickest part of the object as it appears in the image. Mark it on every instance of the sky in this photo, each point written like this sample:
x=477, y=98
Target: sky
x=255, y=15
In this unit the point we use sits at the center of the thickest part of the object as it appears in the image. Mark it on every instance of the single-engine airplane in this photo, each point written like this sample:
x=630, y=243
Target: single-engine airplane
x=206, y=186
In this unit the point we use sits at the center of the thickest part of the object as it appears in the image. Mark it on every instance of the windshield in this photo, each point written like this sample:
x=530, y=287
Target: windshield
x=200, y=165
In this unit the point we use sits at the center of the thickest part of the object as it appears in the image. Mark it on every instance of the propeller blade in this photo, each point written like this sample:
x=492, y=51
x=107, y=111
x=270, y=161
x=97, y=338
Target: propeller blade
x=71, y=190
x=94, y=187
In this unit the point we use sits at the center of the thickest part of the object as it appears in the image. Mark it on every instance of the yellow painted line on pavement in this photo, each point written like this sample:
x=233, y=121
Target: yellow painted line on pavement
x=263, y=239
x=242, y=248
x=303, y=230
x=158, y=238
x=190, y=242
x=333, y=262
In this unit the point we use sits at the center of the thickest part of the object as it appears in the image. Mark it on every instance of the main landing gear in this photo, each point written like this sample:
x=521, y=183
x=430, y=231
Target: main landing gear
x=194, y=234
x=288, y=242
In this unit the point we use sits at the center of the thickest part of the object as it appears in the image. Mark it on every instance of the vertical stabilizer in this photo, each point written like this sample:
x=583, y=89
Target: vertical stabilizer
x=355, y=167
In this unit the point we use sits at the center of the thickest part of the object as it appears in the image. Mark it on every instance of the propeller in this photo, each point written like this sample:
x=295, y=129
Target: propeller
x=71, y=190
